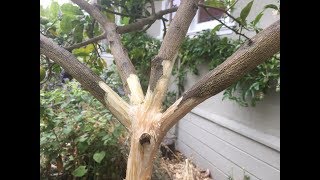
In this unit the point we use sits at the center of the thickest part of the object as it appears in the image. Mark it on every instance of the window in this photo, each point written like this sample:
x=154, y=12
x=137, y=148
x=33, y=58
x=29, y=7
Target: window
x=203, y=16
x=202, y=20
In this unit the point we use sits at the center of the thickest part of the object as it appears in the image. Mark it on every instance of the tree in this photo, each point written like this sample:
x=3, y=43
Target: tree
x=144, y=116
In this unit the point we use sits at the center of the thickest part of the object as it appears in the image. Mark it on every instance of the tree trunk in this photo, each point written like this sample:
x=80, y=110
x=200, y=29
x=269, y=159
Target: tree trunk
x=145, y=141
x=140, y=161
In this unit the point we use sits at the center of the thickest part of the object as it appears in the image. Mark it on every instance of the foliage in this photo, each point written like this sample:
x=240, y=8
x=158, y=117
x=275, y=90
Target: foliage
x=254, y=85
x=141, y=48
x=67, y=24
x=205, y=47
x=265, y=77
x=78, y=135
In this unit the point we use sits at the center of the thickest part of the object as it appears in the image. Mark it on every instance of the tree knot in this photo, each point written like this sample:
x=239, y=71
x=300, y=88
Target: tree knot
x=144, y=138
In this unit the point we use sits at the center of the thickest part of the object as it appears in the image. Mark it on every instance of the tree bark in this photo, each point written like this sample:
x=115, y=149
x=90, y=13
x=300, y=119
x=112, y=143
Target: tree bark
x=161, y=65
x=125, y=67
x=262, y=47
x=144, y=116
x=88, y=79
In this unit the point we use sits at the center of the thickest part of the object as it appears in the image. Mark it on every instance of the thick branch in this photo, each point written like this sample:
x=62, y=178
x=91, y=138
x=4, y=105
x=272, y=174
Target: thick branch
x=263, y=46
x=161, y=65
x=144, y=21
x=90, y=81
x=124, y=64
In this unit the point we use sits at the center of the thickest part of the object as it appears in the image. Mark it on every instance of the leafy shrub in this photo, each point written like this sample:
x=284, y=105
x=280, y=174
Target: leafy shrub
x=78, y=135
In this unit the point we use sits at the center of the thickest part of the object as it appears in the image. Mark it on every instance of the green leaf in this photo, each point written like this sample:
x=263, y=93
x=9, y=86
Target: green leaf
x=83, y=51
x=217, y=28
x=70, y=9
x=67, y=130
x=82, y=138
x=65, y=24
x=80, y=171
x=98, y=156
x=82, y=146
x=257, y=19
x=271, y=6
x=215, y=3
x=78, y=33
x=125, y=20
x=54, y=10
x=245, y=11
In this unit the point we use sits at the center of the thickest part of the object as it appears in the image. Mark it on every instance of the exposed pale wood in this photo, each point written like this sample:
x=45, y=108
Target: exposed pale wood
x=124, y=65
x=264, y=45
x=142, y=154
x=88, y=79
x=161, y=65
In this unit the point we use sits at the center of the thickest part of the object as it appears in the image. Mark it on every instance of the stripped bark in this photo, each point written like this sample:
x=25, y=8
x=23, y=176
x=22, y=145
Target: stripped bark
x=124, y=65
x=162, y=64
x=88, y=79
x=148, y=124
x=263, y=46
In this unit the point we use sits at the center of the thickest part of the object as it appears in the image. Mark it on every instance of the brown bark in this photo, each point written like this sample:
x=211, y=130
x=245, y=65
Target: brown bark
x=124, y=65
x=161, y=65
x=148, y=124
x=127, y=28
x=144, y=21
x=263, y=46
x=88, y=79
x=84, y=43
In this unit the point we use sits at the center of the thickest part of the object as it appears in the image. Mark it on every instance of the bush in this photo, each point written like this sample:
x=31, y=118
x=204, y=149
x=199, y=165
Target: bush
x=79, y=137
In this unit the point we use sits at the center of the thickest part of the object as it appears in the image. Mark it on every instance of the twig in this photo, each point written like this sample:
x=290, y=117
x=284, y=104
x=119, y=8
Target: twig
x=153, y=9
x=226, y=25
x=117, y=13
x=84, y=43
x=127, y=28
x=235, y=2
x=224, y=11
x=95, y=48
x=144, y=21
x=164, y=28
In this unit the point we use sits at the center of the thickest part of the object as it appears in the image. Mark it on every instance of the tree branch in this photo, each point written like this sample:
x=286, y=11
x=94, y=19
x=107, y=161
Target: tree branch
x=161, y=65
x=144, y=21
x=224, y=11
x=127, y=28
x=114, y=12
x=84, y=43
x=235, y=31
x=264, y=45
x=90, y=81
x=153, y=9
x=124, y=65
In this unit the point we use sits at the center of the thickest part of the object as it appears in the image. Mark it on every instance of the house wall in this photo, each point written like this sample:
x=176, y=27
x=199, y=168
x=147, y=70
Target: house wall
x=229, y=139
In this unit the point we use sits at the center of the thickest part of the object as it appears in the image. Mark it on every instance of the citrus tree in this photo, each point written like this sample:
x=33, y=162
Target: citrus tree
x=74, y=47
